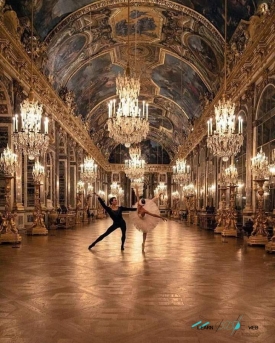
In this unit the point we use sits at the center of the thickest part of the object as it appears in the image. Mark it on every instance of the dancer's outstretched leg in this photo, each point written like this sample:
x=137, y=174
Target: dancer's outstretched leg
x=144, y=240
x=105, y=234
x=123, y=237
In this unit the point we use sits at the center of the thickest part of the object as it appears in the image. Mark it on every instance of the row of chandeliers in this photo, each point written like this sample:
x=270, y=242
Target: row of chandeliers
x=128, y=122
x=224, y=133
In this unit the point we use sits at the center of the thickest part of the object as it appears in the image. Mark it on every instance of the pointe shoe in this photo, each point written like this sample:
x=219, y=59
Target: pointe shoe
x=122, y=247
x=91, y=246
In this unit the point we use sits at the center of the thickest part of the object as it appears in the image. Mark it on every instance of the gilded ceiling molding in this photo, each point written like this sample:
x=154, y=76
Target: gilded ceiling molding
x=165, y=4
x=252, y=65
x=17, y=63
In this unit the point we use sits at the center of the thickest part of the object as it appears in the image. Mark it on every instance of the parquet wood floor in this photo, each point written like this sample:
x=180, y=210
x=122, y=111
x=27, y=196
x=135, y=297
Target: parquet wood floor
x=53, y=290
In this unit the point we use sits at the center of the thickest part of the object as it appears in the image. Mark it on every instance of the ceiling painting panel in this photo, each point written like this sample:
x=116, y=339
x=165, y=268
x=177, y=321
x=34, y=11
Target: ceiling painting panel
x=158, y=121
x=94, y=82
x=145, y=24
x=179, y=82
x=66, y=51
x=203, y=53
x=48, y=13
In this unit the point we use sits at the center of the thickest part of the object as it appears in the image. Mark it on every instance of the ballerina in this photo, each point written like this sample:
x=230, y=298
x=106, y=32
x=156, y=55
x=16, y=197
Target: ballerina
x=147, y=216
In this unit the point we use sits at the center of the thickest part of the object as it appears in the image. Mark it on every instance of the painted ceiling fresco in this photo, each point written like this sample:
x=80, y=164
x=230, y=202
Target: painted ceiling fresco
x=179, y=82
x=51, y=12
x=177, y=52
x=94, y=82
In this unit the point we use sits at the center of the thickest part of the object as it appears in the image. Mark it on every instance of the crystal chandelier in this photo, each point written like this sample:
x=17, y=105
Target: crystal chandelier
x=80, y=187
x=30, y=138
x=8, y=161
x=138, y=183
x=135, y=151
x=101, y=193
x=272, y=164
x=116, y=190
x=211, y=190
x=38, y=172
x=189, y=190
x=175, y=195
x=90, y=189
x=134, y=168
x=231, y=175
x=120, y=192
x=181, y=171
x=88, y=171
x=128, y=124
x=226, y=139
x=127, y=85
x=160, y=189
x=259, y=165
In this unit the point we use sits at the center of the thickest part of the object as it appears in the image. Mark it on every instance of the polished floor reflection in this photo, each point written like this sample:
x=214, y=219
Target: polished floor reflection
x=53, y=290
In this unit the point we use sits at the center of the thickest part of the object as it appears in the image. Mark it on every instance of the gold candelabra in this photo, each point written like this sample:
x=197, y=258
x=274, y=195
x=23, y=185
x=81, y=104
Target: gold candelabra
x=8, y=230
x=38, y=227
x=260, y=168
x=222, y=212
x=259, y=235
x=230, y=229
x=79, y=195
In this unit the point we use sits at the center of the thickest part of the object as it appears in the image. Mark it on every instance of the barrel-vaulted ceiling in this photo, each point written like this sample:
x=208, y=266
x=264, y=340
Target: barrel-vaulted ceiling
x=175, y=46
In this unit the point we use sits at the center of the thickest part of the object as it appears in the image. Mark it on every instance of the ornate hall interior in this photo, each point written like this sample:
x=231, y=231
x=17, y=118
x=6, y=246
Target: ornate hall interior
x=171, y=100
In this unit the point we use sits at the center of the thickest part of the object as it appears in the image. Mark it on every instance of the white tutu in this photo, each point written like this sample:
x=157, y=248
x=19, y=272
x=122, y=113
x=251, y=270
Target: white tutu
x=146, y=223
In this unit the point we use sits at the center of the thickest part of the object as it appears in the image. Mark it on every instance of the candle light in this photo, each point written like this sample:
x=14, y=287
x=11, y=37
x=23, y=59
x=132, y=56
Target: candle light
x=46, y=123
x=143, y=108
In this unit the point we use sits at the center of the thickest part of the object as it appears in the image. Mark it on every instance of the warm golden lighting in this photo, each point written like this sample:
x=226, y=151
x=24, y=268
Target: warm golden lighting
x=181, y=172
x=134, y=168
x=8, y=161
x=88, y=171
x=29, y=136
x=226, y=140
x=259, y=165
x=38, y=172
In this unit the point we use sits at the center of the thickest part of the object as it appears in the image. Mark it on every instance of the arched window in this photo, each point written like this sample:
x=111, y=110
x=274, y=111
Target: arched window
x=266, y=135
x=240, y=163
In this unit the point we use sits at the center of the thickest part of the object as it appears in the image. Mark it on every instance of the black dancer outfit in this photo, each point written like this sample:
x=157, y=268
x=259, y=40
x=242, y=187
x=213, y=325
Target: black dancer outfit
x=118, y=222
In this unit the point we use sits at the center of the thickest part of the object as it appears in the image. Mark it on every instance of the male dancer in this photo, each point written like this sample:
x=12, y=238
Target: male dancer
x=115, y=212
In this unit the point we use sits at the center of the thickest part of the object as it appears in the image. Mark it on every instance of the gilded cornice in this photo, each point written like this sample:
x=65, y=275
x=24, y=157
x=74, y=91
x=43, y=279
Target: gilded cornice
x=17, y=63
x=251, y=65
